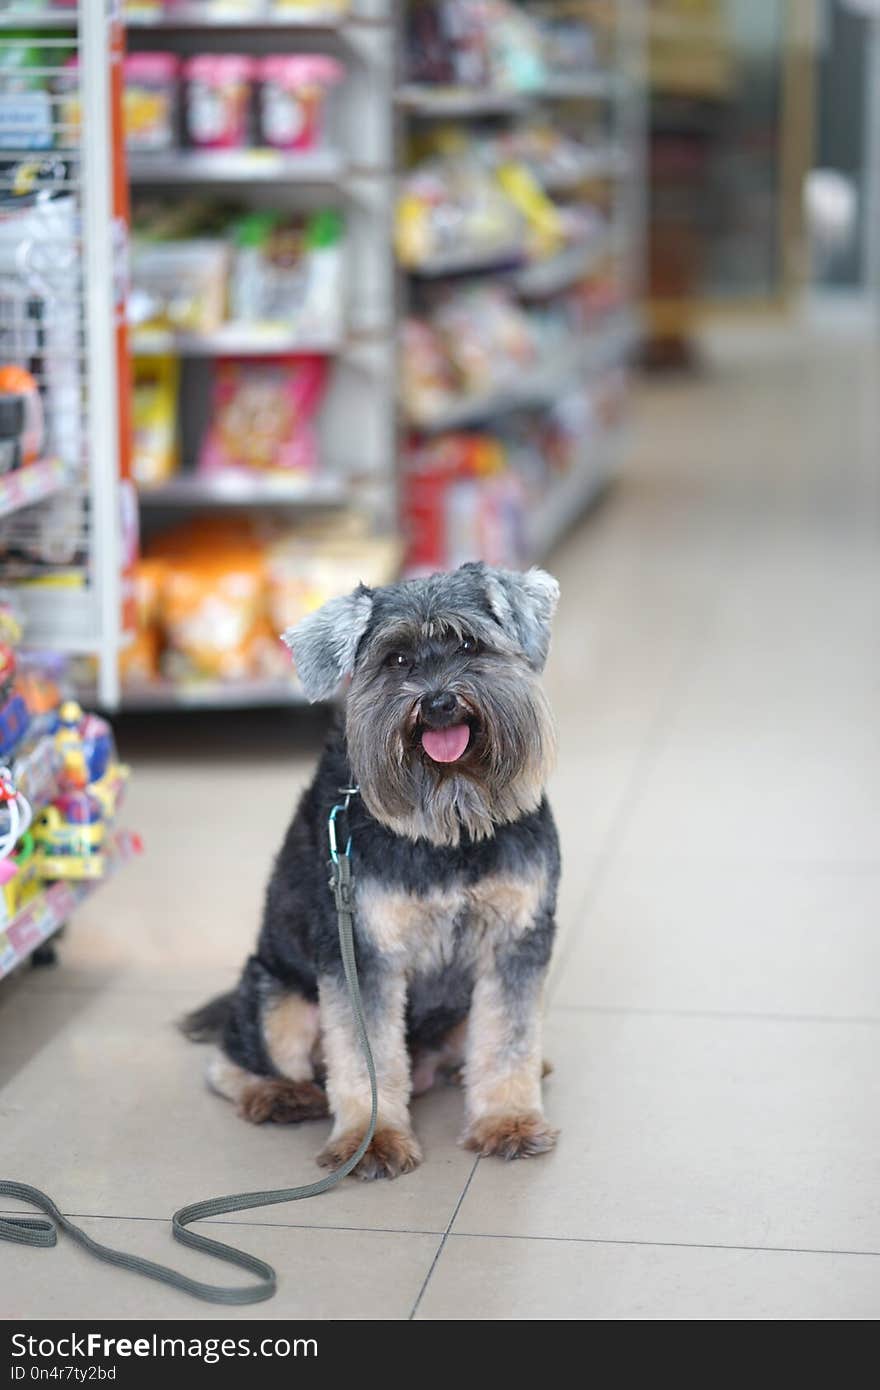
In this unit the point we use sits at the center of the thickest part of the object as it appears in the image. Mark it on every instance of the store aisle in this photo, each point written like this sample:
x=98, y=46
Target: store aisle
x=713, y=1014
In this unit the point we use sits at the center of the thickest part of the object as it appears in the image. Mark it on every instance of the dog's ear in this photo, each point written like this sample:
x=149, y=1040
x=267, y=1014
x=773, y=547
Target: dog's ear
x=524, y=605
x=324, y=645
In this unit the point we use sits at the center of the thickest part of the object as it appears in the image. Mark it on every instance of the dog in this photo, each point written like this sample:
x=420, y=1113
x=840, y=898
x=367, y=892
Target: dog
x=448, y=737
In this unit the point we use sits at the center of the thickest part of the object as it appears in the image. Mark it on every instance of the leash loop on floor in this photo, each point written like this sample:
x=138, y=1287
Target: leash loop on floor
x=34, y=1231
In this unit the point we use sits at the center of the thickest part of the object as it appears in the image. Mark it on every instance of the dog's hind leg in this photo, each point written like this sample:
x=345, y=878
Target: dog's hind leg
x=265, y=1098
x=288, y=1026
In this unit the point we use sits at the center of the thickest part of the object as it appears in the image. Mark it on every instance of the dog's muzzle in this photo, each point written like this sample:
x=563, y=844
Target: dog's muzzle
x=444, y=730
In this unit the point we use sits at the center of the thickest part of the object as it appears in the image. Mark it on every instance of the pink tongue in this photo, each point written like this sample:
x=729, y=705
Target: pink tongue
x=445, y=745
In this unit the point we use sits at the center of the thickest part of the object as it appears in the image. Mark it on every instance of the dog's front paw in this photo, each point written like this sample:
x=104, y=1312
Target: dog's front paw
x=511, y=1136
x=391, y=1152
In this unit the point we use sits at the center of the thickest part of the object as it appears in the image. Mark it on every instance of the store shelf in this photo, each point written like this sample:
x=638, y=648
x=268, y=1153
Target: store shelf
x=431, y=100
x=166, y=695
x=22, y=17
x=605, y=161
x=540, y=278
x=51, y=908
x=570, y=495
x=468, y=262
x=31, y=484
x=236, y=166
x=191, y=490
x=562, y=270
x=586, y=355
x=239, y=340
x=588, y=86
x=194, y=17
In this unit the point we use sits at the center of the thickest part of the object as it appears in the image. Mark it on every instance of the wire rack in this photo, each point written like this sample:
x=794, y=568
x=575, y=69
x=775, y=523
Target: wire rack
x=59, y=308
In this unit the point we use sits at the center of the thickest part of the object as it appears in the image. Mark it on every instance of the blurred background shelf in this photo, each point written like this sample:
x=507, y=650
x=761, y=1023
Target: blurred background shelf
x=236, y=340
x=585, y=355
x=249, y=694
x=50, y=909
x=187, y=489
x=30, y=484
x=194, y=17
x=236, y=166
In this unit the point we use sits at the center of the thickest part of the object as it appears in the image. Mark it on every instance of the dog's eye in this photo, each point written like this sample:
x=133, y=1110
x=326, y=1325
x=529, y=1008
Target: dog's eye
x=469, y=644
x=397, y=661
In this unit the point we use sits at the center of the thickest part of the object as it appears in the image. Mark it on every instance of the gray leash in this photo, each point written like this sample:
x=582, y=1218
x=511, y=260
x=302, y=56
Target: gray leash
x=34, y=1231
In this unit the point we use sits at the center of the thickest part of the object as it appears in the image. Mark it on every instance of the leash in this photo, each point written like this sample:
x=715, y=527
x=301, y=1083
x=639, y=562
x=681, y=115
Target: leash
x=35, y=1231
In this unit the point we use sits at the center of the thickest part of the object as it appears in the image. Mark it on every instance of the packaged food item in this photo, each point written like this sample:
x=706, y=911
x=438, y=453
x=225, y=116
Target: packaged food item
x=179, y=285
x=453, y=205
x=155, y=454
x=308, y=565
x=22, y=428
x=289, y=270
x=428, y=381
x=213, y=612
x=462, y=501
x=150, y=103
x=25, y=104
x=293, y=94
x=262, y=416
x=487, y=336
x=490, y=43
x=218, y=95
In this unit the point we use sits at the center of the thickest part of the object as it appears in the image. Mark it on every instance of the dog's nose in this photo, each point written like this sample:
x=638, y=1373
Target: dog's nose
x=440, y=708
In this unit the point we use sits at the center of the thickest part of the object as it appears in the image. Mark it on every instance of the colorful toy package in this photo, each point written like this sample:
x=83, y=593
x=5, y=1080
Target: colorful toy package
x=262, y=417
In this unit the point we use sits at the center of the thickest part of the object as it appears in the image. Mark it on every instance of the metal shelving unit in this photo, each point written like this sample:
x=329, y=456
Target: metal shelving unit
x=61, y=273
x=48, y=911
x=618, y=159
x=62, y=302
x=356, y=425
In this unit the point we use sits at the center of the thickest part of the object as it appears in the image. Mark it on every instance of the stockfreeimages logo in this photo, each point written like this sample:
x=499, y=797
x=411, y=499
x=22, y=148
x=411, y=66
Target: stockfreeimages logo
x=92, y=1346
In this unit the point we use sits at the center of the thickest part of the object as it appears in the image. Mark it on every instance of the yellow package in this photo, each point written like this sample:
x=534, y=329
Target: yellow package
x=155, y=456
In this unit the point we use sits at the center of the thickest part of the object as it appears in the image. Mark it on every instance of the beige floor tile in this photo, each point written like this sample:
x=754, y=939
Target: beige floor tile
x=736, y=939
x=747, y=801
x=702, y=1130
x=104, y=1106
x=480, y=1278
x=328, y=1274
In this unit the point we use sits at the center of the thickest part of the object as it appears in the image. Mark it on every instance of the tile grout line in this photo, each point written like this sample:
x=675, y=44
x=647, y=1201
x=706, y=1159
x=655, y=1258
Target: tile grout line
x=247, y=1225
x=442, y=1245
x=674, y=1244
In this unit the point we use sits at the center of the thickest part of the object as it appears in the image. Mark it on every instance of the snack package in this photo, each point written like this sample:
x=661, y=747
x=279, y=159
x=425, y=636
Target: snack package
x=289, y=270
x=427, y=379
x=179, y=285
x=293, y=94
x=213, y=609
x=262, y=416
x=25, y=103
x=150, y=100
x=154, y=416
x=487, y=336
x=218, y=94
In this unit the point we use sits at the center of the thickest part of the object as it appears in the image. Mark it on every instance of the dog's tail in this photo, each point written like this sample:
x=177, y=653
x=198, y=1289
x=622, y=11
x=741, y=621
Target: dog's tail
x=207, y=1023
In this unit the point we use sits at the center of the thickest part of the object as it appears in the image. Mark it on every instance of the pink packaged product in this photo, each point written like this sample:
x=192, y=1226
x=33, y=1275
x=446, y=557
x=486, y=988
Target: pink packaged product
x=262, y=417
x=218, y=93
x=293, y=93
x=150, y=103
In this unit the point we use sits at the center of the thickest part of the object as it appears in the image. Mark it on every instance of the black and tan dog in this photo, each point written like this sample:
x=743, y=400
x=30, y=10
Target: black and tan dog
x=455, y=859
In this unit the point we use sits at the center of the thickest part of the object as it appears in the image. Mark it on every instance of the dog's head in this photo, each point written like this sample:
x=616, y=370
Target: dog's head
x=448, y=729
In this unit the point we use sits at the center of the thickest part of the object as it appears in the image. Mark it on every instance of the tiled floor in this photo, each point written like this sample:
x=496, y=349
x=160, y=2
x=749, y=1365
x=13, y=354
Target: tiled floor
x=714, y=1014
